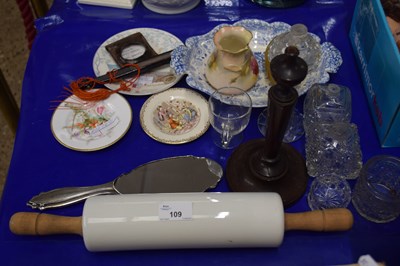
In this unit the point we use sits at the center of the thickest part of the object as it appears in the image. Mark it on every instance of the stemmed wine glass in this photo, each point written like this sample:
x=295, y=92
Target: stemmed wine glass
x=230, y=110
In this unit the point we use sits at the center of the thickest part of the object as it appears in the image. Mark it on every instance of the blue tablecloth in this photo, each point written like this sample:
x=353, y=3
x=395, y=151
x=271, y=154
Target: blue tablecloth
x=63, y=51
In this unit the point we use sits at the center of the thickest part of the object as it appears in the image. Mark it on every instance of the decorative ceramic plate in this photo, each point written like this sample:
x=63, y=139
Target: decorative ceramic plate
x=170, y=7
x=175, y=116
x=159, y=79
x=91, y=126
x=191, y=59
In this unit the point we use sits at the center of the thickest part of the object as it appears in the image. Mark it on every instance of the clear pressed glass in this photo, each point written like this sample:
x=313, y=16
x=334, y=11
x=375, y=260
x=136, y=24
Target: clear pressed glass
x=279, y=3
x=298, y=36
x=329, y=191
x=326, y=103
x=334, y=148
x=377, y=191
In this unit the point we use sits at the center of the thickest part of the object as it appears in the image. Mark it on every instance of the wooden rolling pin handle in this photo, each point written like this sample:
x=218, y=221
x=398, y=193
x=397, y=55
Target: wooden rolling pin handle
x=320, y=220
x=30, y=223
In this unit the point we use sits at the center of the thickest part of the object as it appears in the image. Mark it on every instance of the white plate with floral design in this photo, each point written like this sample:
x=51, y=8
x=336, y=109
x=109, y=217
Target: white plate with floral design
x=175, y=116
x=155, y=81
x=191, y=59
x=91, y=126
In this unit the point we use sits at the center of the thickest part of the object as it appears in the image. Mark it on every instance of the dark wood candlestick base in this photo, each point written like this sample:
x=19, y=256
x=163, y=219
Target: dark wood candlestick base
x=269, y=165
x=291, y=185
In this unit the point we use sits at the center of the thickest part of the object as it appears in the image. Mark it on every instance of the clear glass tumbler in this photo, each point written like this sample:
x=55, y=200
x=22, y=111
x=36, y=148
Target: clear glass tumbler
x=376, y=195
x=334, y=148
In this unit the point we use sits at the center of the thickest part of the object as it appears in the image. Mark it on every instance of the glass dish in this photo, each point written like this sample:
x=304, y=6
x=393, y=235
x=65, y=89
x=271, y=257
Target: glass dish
x=329, y=191
x=279, y=3
x=334, y=148
x=377, y=191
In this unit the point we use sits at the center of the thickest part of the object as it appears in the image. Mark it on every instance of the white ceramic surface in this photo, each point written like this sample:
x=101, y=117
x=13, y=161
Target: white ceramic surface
x=217, y=220
x=182, y=102
x=170, y=7
x=159, y=79
x=191, y=59
x=232, y=65
x=127, y=4
x=90, y=126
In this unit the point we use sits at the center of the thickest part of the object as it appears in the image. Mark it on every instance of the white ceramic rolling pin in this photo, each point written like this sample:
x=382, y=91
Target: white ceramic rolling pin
x=183, y=220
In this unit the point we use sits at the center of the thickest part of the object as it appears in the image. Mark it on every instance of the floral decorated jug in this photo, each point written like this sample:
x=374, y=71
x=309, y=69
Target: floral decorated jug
x=232, y=64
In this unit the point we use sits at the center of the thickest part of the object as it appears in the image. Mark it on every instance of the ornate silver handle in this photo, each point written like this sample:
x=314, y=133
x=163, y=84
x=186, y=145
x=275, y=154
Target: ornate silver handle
x=69, y=195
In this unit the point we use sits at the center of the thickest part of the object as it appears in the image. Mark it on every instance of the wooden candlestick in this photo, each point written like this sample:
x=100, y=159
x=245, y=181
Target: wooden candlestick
x=269, y=165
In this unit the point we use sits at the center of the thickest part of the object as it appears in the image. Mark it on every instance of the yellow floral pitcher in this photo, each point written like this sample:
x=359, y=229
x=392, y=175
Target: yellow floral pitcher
x=232, y=64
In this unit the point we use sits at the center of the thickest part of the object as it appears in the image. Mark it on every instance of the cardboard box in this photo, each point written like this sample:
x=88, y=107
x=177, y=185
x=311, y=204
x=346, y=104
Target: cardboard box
x=378, y=59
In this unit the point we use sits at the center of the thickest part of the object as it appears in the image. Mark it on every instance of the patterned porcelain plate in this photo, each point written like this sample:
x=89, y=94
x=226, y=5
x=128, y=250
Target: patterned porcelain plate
x=91, y=126
x=191, y=59
x=159, y=79
x=175, y=116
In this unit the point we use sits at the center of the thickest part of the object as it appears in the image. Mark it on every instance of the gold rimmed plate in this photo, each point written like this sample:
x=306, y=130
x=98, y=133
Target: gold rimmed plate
x=89, y=126
x=175, y=116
